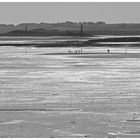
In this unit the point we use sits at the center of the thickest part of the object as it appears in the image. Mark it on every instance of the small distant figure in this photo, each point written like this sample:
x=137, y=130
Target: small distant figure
x=108, y=51
x=76, y=51
x=125, y=50
x=25, y=50
x=134, y=116
x=81, y=50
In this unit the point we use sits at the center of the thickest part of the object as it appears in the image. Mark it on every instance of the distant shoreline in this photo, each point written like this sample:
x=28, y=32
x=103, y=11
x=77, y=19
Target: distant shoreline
x=78, y=42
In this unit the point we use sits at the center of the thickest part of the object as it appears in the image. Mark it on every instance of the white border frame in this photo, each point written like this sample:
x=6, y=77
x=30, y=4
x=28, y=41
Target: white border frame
x=67, y=1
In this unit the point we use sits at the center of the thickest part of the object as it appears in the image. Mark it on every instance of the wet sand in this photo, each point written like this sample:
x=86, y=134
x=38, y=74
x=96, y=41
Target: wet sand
x=93, y=94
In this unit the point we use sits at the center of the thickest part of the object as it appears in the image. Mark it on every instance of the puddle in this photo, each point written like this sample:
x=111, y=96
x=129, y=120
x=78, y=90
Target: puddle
x=124, y=134
x=12, y=122
x=71, y=134
x=43, y=109
x=134, y=121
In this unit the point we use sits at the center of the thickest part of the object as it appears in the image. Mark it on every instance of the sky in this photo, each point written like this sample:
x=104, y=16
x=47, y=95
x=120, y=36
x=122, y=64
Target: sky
x=47, y=12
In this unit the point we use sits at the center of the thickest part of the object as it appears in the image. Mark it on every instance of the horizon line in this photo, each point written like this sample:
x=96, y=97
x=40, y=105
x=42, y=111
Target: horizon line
x=76, y=22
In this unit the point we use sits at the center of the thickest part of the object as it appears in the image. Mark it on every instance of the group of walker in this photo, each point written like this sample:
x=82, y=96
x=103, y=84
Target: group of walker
x=76, y=51
x=80, y=51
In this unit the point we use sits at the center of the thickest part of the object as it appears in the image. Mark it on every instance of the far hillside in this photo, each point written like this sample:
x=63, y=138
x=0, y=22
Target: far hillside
x=44, y=32
x=66, y=28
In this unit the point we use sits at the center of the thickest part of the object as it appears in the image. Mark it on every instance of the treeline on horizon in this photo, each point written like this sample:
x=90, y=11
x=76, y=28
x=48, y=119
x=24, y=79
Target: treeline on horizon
x=69, y=29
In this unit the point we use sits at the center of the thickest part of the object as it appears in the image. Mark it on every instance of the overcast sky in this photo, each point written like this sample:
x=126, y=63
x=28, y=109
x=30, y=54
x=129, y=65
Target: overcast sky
x=58, y=12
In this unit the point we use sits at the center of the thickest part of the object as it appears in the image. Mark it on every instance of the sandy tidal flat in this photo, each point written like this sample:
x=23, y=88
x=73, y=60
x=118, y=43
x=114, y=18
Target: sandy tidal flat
x=49, y=93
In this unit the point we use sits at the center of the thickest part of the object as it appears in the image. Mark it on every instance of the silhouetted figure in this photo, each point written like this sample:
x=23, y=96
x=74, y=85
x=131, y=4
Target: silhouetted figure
x=81, y=50
x=69, y=51
x=76, y=51
x=25, y=50
x=134, y=116
x=108, y=51
x=125, y=50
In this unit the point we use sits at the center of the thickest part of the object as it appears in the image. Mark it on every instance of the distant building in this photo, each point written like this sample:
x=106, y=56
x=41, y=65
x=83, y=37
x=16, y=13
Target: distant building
x=26, y=29
x=81, y=29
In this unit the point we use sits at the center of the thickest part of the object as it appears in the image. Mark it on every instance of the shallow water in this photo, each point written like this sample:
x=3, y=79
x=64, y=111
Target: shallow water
x=69, y=95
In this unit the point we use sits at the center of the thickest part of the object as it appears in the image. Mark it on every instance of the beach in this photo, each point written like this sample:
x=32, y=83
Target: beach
x=48, y=92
